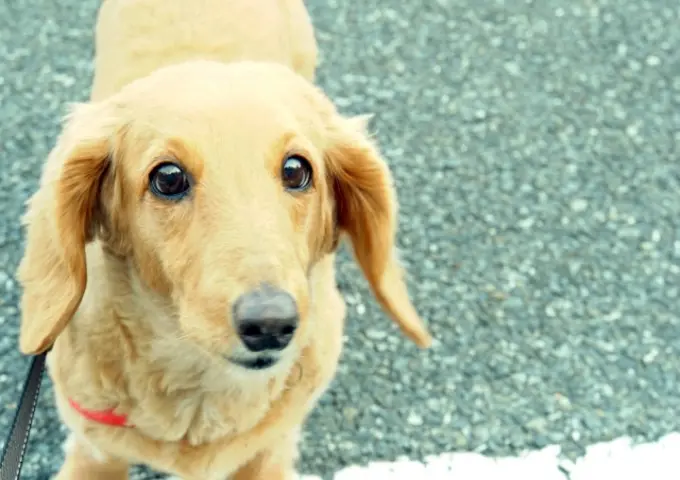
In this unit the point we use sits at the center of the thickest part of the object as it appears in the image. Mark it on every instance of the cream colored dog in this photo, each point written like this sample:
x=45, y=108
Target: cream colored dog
x=180, y=247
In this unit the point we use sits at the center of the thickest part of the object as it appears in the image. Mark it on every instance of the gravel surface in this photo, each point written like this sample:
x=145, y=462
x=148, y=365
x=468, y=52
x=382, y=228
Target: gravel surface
x=535, y=148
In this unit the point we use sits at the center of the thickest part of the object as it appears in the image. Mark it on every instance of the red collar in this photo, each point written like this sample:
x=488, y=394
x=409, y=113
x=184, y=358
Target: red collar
x=107, y=417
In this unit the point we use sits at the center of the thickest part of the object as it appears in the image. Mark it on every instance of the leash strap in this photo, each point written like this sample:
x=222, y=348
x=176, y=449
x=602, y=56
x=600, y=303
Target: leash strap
x=15, y=446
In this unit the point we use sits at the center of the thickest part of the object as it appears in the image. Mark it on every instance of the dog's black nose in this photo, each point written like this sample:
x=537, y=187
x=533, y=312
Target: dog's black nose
x=265, y=318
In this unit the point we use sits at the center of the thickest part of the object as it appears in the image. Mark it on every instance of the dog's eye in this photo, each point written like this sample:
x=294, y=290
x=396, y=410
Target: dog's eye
x=296, y=173
x=169, y=181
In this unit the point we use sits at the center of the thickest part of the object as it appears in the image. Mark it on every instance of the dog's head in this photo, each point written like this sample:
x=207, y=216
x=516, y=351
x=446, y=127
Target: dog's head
x=221, y=186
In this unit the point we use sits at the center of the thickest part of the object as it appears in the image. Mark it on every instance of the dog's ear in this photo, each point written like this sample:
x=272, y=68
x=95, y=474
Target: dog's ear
x=366, y=210
x=59, y=221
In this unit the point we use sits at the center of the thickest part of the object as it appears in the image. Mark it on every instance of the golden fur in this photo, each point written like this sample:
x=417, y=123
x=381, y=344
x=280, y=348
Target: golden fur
x=133, y=293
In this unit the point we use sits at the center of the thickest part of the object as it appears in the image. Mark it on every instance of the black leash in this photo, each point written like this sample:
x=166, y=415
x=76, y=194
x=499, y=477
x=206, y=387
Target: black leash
x=15, y=446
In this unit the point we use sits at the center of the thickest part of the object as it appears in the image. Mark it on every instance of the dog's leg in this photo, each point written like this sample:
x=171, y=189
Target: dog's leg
x=277, y=463
x=82, y=463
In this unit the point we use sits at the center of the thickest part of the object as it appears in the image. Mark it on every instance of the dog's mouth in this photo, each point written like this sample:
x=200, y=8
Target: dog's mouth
x=257, y=363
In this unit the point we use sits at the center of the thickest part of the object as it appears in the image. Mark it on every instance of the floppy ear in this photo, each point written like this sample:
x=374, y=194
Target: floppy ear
x=59, y=222
x=366, y=210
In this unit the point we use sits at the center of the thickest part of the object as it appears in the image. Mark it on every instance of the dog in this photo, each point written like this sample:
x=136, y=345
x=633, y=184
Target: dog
x=180, y=248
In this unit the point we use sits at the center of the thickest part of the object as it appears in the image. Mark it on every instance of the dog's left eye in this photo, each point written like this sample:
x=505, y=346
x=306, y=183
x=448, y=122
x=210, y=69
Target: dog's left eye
x=169, y=181
x=296, y=173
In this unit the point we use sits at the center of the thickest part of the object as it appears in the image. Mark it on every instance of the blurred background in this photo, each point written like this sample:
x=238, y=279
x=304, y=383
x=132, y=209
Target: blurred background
x=535, y=149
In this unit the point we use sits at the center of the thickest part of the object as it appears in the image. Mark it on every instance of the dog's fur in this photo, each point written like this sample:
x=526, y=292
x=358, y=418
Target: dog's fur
x=134, y=293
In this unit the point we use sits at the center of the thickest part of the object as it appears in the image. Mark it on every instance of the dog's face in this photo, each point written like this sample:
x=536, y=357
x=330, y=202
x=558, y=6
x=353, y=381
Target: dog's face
x=222, y=186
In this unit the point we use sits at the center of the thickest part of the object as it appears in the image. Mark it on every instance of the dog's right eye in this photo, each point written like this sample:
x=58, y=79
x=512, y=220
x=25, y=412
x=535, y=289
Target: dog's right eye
x=169, y=181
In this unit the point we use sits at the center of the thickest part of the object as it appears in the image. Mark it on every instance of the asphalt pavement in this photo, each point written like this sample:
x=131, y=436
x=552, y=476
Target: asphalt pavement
x=535, y=146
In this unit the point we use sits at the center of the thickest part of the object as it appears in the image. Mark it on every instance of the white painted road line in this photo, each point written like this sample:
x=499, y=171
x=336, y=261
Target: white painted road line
x=618, y=459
